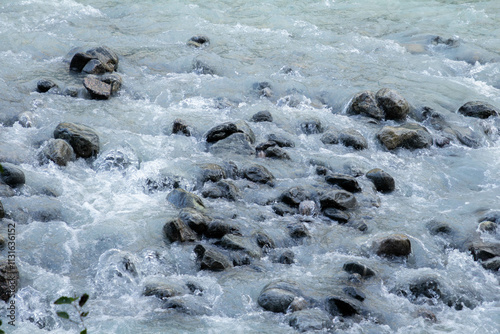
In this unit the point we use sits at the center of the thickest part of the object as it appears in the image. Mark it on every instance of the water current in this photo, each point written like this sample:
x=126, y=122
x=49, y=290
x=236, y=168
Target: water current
x=97, y=228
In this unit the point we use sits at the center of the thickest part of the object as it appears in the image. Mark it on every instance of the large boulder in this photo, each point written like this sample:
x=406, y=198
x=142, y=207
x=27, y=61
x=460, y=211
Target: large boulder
x=57, y=150
x=478, y=109
x=83, y=139
x=382, y=180
x=394, y=105
x=337, y=199
x=410, y=136
x=9, y=280
x=181, y=198
x=11, y=175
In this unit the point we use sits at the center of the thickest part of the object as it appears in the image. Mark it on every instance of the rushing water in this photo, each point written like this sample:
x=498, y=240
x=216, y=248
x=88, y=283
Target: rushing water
x=76, y=224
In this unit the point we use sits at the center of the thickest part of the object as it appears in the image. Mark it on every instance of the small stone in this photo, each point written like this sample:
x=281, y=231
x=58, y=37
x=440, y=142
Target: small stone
x=307, y=208
x=358, y=268
x=97, y=89
x=2, y=211
x=396, y=245
x=354, y=293
x=112, y=79
x=294, y=196
x=478, y=109
x=310, y=320
x=199, y=41
x=262, y=116
x=298, y=230
x=280, y=140
x=487, y=226
x=211, y=259
x=282, y=209
x=218, y=229
x=287, y=257
x=345, y=182
x=45, y=85
x=331, y=137
x=277, y=296
x=94, y=66
x=79, y=61
x=338, y=199
x=180, y=127
x=382, y=180
x=276, y=153
x=196, y=220
x=237, y=143
x=338, y=215
x=222, y=189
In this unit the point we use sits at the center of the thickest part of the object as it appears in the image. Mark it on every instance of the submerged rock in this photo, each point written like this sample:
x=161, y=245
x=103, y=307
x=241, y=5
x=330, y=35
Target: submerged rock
x=222, y=189
x=382, y=180
x=218, y=229
x=83, y=139
x=58, y=151
x=258, y=174
x=280, y=140
x=310, y=320
x=345, y=182
x=220, y=132
x=478, y=109
x=177, y=230
x=353, y=138
x=312, y=126
x=410, y=136
x=338, y=199
x=294, y=196
x=181, y=198
x=12, y=175
x=45, y=85
x=262, y=116
x=237, y=143
x=396, y=245
x=199, y=41
x=338, y=215
x=9, y=280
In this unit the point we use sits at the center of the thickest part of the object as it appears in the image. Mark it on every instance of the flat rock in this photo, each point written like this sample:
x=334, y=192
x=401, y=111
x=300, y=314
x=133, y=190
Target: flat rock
x=83, y=139
x=237, y=143
x=410, y=136
x=97, y=89
x=345, y=182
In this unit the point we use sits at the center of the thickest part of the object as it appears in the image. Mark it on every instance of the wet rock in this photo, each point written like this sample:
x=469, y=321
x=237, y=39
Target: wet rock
x=307, y=208
x=6, y=191
x=311, y=127
x=493, y=216
x=186, y=304
x=287, y=257
x=26, y=119
x=382, y=180
x=338, y=199
x=211, y=259
x=45, y=85
x=488, y=227
x=297, y=230
x=427, y=315
x=358, y=268
x=222, y=189
x=262, y=116
x=196, y=220
x=478, y=109
x=264, y=241
x=395, y=107
x=97, y=89
x=79, y=61
x=2, y=211
x=338, y=306
x=237, y=143
x=294, y=196
x=365, y=103
x=397, y=245
x=410, y=136
x=263, y=89
x=12, y=175
x=354, y=293
x=83, y=139
x=425, y=287
x=280, y=140
x=448, y=41
x=58, y=151
x=330, y=137
x=282, y=209
x=217, y=229
x=338, y=215
x=492, y=264
x=181, y=198
x=310, y=320
x=276, y=153
x=439, y=228
x=464, y=135
x=177, y=230
x=241, y=243
x=95, y=61
x=353, y=138
x=231, y=170
x=258, y=174
x=201, y=67
x=277, y=296
x=345, y=182
x=112, y=160
x=199, y=41
x=162, y=290
x=211, y=172
x=9, y=280
x=112, y=79
x=484, y=250
x=180, y=127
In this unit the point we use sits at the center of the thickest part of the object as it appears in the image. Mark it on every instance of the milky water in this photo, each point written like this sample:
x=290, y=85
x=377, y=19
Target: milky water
x=77, y=223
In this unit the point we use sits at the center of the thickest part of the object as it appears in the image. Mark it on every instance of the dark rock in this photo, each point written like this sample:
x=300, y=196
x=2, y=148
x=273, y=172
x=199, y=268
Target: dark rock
x=2, y=211
x=162, y=290
x=79, y=61
x=298, y=230
x=9, y=280
x=488, y=227
x=238, y=143
x=338, y=306
x=95, y=61
x=276, y=153
x=464, y=135
x=294, y=196
x=217, y=229
x=410, y=136
x=94, y=66
x=258, y=174
x=448, y=42
x=199, y=41
x=493, y=216
x=196, y=220
x=107, y=57
x=354, y=293
x=238, y=242
x=231, y=170
x=394, y=246
x=312, y=126
x=280, y=140
x=58, y=151
x=478, y=109
x=426, y=287
x=310, y=320
x=211, y=259
x=45, y=85
x=337, y=199
x=263, y=89
x=264, y=146
x=97, y=89
x=112, y=79
x=394, y=105
x=222, y=189
x=180, y=127
x=483, y=251
x=353, y=138
x=211, y=172
x=382, y=180
x=277, y=296
x=307, y=208
x=358, y=268
x=181, y=198
x=287, y=257
x=83, y=139
x=337, y=215
x=437, y=227
x=330, y=137
x=12, y=175
x=345, y=182
x=264, y=241
x=365, y=103
x=262, y=116
x=492, y=264
x=282, y=209
x=176, y=230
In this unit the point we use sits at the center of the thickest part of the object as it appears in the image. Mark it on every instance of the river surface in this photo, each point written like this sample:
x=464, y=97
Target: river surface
x=76, y=224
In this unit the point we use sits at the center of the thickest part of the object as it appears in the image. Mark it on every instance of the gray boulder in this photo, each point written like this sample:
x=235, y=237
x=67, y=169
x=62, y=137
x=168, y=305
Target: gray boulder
x=212, y=259
x=345, y=182
x=410, y=136
x=222, y=189
x=353, y=138
x=262, y=116
x=196, y=220
x=83, y=139
x=58, y=151
x=277, y=296
x=478, y=109
x=237, y=143
x=11, y=175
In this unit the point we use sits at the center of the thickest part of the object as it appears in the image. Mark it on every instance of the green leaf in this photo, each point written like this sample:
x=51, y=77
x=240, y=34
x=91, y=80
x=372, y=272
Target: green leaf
x=84, y=314
x=83, y=299
x=64, y=300
x=1, y=168
x=2, y=332
x=0, y=320
x=63, y=314
x=84, y=331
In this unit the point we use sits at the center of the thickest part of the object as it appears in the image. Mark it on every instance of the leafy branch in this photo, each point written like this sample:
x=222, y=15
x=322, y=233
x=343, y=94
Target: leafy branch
x=1, y=331
x=77, y=304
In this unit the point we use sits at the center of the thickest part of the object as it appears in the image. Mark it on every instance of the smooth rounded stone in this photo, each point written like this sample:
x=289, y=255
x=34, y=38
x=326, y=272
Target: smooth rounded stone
x=59, y=151
x=382, y=180
x=354, y=293
x=237, y=143
x=307, y=208
x=198, y=41
x=338, y=215
x=395, y=106
x=218, y=229
x=276, y=153
x=9, y=280
x=211, y=172
x=258, y=174
x=277, y=296
x=12, y=175
x=83, y=139
x=478, y=109
x=263, y=89
x=339, y=306
x=280, y=140
x=238, y=242
x=262, y=116
x=294, y=196
x=180, y=127
x=196, y=220
x=353, y=138
x=177, y=230
x=439, y=228
x=2, y=211
x=312, y=126
x=365, y=103
x=44, y=85
x=222, y=189
x=181, y=198
x=211, y=259
x=345, y=182
x=310, y=320
x=287, y=257
x=396, y=245
x=297, y=230
x=410, y=136
x=330, y=137
x=112, y=79
x=338, y=199
x=97, y=89
x=282, y=209
x=358, y=268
